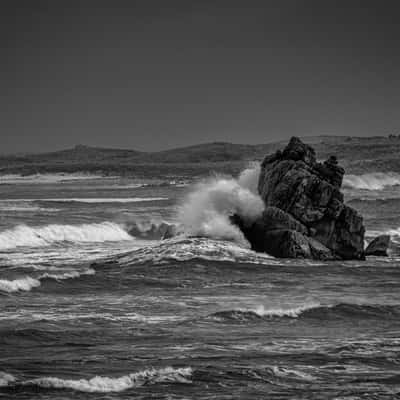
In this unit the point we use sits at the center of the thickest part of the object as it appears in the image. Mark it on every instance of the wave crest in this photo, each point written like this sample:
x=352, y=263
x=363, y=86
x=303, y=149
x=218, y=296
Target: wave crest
x=28, y=283
x=372, y=181
x=185, y=249
x=23, y=235
x=105, y=384
x=310, y=310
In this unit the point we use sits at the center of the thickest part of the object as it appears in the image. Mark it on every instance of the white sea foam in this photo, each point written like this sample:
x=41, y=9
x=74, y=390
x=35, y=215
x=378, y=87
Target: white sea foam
x=183, y=249
x=90, y=200
x=23, y=284
x=282, y=312
x=47, y=178
x=291, y=373
x=104, y=384
x=372, y=181
x=206, y=210
x=27, y=283
x=24, y=208
x=23, y=235
x=6, y=379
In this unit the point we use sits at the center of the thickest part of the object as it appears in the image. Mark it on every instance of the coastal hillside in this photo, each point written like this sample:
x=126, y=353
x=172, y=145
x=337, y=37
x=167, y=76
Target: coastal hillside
x=356, y=154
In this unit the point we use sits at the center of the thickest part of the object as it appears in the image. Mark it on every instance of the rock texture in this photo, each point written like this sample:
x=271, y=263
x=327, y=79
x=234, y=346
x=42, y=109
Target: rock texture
x=305, y=213
x=379, y=246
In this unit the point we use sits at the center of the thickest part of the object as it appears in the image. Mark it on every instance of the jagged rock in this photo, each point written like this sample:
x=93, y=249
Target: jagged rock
x=331, y=171
x=169, y=232
x=271, y=219
x=153, y=231
x=378, y=246
x=286, y=243
x=308, y=194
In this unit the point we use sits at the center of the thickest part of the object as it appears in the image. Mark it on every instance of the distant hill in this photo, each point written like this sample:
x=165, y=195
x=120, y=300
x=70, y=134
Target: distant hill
x=356, y=154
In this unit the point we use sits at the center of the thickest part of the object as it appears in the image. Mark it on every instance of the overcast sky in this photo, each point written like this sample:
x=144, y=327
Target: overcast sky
x=151, y=75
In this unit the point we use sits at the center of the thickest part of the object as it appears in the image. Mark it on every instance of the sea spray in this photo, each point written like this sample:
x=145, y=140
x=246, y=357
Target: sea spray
x=207, y=208
x=372, y=181
x=249, y=177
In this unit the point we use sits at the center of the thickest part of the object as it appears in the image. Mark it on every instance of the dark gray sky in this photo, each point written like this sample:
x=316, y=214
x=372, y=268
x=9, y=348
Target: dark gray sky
x=151, y=75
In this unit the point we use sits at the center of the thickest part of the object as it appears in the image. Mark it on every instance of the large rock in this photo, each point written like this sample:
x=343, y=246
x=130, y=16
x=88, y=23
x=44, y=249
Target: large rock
x=307, y=193
x=379, y=246
x=286, y=243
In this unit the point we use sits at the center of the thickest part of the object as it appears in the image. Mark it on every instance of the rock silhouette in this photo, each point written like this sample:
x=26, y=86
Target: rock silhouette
x=305, y=213
x=379, y=246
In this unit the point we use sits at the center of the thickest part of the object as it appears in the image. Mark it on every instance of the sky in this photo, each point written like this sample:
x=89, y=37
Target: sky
x=156, y=74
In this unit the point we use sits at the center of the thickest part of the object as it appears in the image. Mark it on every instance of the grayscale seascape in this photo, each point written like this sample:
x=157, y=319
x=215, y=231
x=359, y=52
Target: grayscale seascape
x=185, y=317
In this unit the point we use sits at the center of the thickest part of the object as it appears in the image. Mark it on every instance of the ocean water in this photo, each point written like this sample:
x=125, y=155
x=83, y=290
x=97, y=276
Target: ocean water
x=93, y=305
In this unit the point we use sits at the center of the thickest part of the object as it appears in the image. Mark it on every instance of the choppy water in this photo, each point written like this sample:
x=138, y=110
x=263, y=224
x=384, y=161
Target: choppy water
x=88, y=311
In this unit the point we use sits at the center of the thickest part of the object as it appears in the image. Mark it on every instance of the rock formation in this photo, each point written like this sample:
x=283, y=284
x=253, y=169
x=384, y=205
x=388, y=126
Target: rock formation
x=305, y=214
x=379, y=246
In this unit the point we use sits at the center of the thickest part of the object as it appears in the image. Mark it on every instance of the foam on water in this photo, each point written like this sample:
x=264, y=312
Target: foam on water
x=47, y=178
x=372, y=181
x=27, y=283
x=23, y=235
x=311, y=311
x=182, y=248
x=105, y=384
x=283, y=312
x=88, y=200
x=6, y=379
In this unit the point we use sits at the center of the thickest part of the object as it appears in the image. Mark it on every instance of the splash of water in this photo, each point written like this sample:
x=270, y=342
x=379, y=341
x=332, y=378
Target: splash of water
x=209, y=205
x=372, y=181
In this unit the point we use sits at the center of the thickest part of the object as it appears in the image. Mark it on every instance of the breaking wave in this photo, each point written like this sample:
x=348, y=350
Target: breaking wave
x=311, y=310
x=89, y=200
x=23, y=235
x=105, y=384
x=372, y=181
x=47, y=178
x=207, y=209
x=27, y=283
x=184, y=249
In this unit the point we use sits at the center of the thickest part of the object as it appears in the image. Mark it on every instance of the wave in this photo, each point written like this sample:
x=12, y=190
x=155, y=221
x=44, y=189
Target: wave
x=28, y=283
x=106, y=200
x=89, y=200
x=23, y=235
x=372, y=181
x=183, y=248
x=261, y=312
x=310, y=310
x=206, y=210
x=6, y=379
x=47, y=178
x=105, y=384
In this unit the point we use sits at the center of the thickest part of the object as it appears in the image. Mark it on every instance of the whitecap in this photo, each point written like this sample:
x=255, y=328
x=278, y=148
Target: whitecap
x=23, y=235
x=372, y=181
x=28, y=283
x=6, y=379
x=105, y=384
x=182, y=248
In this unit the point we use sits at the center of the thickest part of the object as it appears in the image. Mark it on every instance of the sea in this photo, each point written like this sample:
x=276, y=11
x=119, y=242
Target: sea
x=95, y=304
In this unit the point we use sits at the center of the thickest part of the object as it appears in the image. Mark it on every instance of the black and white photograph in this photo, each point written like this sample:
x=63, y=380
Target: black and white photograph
x=199, y=200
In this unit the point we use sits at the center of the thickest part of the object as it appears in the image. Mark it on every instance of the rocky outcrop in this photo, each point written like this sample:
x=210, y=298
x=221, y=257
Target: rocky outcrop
x=379, y=246
x=305, y=212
